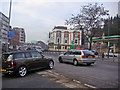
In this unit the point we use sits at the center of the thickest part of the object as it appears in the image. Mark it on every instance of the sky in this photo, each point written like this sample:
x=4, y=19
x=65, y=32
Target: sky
x=38, y=17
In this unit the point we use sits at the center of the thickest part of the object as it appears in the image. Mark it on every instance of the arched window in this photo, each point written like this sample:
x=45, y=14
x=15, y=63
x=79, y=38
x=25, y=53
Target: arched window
x=76, y=41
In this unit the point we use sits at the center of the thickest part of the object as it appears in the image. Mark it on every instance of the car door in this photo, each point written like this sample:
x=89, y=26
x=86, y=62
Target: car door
x=37, y=59
x=71, y=56
x=64, y=57
x=29, y=61
x=42, y=61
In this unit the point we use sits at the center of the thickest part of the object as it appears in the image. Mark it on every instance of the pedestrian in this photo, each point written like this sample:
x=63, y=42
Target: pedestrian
x=103, y=55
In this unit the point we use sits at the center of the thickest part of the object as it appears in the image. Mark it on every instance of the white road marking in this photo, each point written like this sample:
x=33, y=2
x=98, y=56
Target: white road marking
x=70, y=83
x=89, y=86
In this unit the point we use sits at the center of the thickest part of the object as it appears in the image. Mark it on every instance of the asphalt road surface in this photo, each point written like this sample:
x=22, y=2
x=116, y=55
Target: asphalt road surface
x=100, y=75
x=32, y=80
x=64, y=75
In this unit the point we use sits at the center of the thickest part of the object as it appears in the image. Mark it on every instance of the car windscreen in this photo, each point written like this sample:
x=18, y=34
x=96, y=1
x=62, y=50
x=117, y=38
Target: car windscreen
x=7, y=57
x=88, y=53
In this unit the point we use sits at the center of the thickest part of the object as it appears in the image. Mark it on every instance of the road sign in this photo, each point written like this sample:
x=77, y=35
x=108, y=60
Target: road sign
x=71, y=47
x=11, y=34
x=103, y=37
x=73, y=42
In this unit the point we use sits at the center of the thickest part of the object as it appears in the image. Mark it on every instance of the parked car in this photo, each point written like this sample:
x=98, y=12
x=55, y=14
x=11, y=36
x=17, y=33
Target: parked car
x=38, y=49
x=20, y=62
x=95, y=52
x=34, y=48
x=78, y=57
x=112, y=54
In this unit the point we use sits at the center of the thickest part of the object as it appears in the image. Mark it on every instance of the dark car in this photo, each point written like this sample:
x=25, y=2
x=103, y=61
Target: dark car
x=95, y=52
x=20, y=62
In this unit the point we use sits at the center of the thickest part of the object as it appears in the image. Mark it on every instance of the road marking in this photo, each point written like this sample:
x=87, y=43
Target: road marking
x=58, y=78
x=89, y=86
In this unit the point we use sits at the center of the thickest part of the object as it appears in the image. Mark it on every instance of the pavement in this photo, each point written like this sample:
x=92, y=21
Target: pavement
x=110, y=59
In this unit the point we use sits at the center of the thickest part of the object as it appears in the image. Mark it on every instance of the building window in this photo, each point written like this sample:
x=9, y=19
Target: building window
x=65, y=41
x=65, y=47
x=66, y=35
x=58, y=40
x=55, y=47
x=76, y=41
x=58, y=34
x=76, y=35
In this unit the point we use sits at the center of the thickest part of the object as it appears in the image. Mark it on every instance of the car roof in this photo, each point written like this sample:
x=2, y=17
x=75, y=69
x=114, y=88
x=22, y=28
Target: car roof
x=20, y=51
x=78, y=50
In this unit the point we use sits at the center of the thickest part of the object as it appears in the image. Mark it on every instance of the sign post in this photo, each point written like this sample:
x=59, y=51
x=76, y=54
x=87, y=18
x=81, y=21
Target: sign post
x=72, y=46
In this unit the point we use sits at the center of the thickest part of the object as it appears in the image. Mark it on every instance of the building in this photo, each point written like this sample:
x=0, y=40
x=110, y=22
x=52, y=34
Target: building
x=13, y=41
x=43, y=45
x=21, y=32
x=4, y=27
x=119, y=8
x=63, y=39
x=103, y=42
x=18, y=39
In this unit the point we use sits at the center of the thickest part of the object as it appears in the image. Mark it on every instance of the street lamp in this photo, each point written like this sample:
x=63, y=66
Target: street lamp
x=108, y=33
x=9, y=21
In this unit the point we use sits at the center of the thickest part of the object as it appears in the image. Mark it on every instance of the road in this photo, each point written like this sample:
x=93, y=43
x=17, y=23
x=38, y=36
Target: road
x=102, y=74
x=32, y=80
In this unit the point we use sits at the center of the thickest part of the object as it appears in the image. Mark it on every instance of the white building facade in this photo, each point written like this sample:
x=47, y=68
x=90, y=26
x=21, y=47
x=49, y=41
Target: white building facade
x=63, y=38
x=4, y=27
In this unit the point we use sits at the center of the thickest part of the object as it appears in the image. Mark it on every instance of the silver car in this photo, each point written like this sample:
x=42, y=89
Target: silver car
x=78, y=57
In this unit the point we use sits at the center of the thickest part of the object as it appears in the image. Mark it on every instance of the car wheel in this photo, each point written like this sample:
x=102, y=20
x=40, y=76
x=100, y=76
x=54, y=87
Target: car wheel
x=60, y=60
x=22, y=71
x=75, y=62
x=51, y=64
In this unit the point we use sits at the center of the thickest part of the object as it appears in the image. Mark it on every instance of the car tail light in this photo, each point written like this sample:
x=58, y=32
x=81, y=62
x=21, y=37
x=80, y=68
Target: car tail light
x=12, y=64
x=94, y=56
x=83, y=56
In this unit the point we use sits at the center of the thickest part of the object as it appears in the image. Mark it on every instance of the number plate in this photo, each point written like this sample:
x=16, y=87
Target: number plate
x=89, y=56
x=3, y=70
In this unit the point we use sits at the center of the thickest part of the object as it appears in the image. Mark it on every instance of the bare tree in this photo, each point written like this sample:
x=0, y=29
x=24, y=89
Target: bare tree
x=89, y=20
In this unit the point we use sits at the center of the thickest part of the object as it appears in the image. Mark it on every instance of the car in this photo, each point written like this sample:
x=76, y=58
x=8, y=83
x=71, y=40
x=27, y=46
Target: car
x=95, y=52
x=34, y=48
x=38, y=49
x=78, y=57
x=20, y=62
x=30, y=48
x=111, y=54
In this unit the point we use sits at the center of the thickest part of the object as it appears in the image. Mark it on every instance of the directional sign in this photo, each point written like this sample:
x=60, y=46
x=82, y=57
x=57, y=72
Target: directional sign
x=73, y=42
x=11, y=34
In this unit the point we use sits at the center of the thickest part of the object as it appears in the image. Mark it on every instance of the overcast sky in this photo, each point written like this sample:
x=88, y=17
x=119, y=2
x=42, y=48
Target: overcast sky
x=38, y=17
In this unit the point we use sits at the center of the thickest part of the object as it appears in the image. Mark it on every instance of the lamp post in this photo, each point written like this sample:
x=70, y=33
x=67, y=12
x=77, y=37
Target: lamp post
x=9, y=21
x=108, y=33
